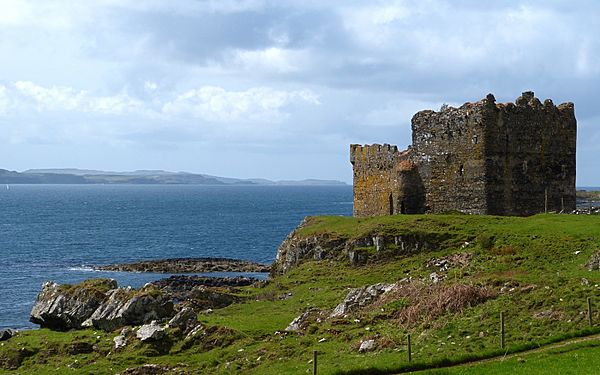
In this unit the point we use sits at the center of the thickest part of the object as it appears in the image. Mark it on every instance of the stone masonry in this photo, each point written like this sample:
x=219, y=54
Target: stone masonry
x=481, y=158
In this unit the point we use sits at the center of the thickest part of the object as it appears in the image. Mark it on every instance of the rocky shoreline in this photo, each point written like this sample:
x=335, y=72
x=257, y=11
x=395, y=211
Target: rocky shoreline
x=188, y=265
x=102, y=304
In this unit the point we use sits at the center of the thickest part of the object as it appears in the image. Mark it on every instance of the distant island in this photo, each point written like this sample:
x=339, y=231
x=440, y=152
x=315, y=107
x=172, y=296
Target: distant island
x=146, y=177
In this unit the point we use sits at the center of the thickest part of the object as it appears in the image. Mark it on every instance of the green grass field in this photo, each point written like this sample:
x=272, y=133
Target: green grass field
x=534, y=266
x=576, y=359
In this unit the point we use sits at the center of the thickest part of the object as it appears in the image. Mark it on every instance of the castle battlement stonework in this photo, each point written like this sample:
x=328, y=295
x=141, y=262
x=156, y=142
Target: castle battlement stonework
x=482, y=158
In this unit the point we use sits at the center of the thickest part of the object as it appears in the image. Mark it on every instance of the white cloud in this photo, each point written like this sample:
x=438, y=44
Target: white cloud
x=271, y=59
x=209, y=103
x=150, y=86
x=216, y=104
x=397, y=112
x=59, y=99
x=4, y=100
x=187, y=6
x=373, y=26
x=51, y=15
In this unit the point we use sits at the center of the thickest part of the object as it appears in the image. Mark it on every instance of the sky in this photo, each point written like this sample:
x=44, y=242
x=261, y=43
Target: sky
x=274, y=89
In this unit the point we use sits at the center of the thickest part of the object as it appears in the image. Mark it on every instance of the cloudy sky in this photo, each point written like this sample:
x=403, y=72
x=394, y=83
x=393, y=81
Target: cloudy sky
x=274, y=89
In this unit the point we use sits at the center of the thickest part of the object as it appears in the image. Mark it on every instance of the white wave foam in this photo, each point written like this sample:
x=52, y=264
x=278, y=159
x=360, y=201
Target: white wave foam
x=83, y=268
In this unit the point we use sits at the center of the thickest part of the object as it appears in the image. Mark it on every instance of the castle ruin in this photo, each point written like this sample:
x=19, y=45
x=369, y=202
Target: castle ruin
x=481, y=158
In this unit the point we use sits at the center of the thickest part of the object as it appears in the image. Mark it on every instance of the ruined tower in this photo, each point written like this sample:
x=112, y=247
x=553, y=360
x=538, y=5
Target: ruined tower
x=483, y=158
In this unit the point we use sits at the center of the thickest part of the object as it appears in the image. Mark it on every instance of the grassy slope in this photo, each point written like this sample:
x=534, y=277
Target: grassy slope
x=538, y=251
x=574, y=358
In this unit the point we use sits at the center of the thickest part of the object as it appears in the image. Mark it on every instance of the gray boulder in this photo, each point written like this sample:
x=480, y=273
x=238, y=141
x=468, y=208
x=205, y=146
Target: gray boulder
x=301, y=322
x=6, y=334
x=151, y=332
x=185, y=319
x=122, y=340
x=128, y=307
x=64, y=307
x=194, y=331
x=358, y=298
x=593, y=263
x=366, y=346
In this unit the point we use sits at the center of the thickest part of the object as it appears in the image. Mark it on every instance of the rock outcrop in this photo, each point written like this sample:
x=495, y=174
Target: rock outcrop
x=358, y=298
x=63, y=307
x=98, y=303
x=301, y=322
x=186, y=319
x=6, y=334
x=126, y=308
x=367, y=346
x=298, y=248
x=593, y=263
x=151, y=332
x=123, y=338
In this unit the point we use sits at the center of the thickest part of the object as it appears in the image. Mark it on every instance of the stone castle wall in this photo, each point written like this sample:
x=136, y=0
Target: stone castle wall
x=530, y=154
x=484, y=158
x=386, y=181
x=450, y=152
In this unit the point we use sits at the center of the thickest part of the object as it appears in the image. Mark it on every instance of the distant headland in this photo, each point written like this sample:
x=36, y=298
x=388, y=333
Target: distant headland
x=144, y=177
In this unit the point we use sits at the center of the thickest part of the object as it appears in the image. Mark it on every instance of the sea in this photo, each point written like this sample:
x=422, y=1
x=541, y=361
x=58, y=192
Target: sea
x=59, y=232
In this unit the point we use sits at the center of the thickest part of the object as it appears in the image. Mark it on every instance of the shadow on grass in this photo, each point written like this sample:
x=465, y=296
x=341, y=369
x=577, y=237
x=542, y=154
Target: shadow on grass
x=459, y=360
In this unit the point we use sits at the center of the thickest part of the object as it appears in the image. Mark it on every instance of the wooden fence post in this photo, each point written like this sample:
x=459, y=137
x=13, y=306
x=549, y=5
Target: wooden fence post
x=314, y=362
x=502, y=330
x=409, y=349
x=589, y=301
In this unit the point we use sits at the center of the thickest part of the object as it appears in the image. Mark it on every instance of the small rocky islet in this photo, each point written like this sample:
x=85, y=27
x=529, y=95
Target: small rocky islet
x=188, y=265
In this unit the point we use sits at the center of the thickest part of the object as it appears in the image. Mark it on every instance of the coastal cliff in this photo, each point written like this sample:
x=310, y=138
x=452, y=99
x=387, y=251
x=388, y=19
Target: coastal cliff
x=315, y=239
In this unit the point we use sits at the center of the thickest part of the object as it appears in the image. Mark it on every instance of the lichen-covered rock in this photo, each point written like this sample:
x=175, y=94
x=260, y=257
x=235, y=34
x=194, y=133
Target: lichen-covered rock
x=358, y=298
x=151, y=332
x=300, y=323
x=593, y=263
x=128, y=307
x=63, y=307
x=120, y=342
x=123, y=338
x=152, y=369
x=367, y=346
x=295, y=249
x=6, y=334
x=185, y=320
x=194, y=331
x=298, y=248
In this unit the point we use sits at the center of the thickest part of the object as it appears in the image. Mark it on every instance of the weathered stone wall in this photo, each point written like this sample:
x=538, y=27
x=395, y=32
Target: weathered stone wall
x=449, y=151
x=484, y=158
x=530, y=151
x=386, y=181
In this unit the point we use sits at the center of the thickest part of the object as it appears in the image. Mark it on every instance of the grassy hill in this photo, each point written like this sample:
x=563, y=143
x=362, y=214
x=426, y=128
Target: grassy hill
x=532, y=269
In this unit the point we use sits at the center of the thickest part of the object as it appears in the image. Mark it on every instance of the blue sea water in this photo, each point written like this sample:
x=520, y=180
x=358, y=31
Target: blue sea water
x=55, y=232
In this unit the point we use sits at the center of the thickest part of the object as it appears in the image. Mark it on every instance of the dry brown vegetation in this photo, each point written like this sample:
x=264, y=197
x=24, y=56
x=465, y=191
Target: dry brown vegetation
x=425, y=303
